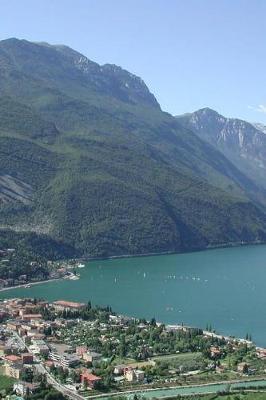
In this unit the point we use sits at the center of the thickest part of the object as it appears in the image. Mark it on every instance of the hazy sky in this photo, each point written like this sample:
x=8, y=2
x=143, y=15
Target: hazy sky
x=191, y=53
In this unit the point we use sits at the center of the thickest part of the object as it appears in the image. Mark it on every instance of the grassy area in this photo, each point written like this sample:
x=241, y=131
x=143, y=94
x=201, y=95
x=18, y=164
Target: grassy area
x=6, y=382
x=185, y=362
x=184, y=357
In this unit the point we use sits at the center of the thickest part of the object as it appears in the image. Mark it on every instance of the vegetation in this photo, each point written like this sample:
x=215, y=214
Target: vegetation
x=6, y=383
x=30, y=255
x=110, y=172
x=46, y=393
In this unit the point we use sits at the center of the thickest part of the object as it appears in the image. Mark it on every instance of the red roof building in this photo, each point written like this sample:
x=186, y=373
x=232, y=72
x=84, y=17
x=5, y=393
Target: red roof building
x=68, y=305
x=12, y=358
x=89, y=379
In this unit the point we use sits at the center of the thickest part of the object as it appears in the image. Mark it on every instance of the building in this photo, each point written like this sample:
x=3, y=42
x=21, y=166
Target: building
x=13, y=370
x=215, y=352
x=243, y=368
x=91, y=356
x=89, y=380
x=13, y=325
x=39, y=347
x=65, y=360
x=27, y=358
x=134, y=375
x=80, y=350
x=62, y=355
x=12, y=358
x=30, y=317
x=119, y=369
x=62, y=305
x=25, y=388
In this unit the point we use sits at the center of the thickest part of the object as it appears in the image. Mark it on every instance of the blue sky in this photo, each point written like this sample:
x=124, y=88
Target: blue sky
x=191, y=53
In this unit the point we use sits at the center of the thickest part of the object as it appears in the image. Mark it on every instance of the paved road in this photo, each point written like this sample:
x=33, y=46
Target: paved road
x=58, y=386
x=50, y=379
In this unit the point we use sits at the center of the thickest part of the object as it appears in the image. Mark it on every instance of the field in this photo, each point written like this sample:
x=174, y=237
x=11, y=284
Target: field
x=185, y=361
x=6, y=382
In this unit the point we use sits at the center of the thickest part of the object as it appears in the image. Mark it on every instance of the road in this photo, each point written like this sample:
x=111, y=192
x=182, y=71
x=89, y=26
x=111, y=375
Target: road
x=56, y=385
x=50, y=379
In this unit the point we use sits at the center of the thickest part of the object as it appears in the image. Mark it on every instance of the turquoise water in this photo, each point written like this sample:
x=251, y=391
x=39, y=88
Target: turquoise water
x=212, y=388
x=224, y=287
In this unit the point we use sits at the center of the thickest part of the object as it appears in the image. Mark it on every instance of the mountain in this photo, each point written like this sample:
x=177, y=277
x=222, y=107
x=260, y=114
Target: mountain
x=260, y=127
x=90, y=161
x=243, y=143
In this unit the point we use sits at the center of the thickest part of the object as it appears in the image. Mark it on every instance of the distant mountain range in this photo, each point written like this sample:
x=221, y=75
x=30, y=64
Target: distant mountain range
x=241, y=142
x=90, y=161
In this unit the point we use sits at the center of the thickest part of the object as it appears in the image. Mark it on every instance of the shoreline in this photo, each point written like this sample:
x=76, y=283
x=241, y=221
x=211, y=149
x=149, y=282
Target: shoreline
x=172, y=252
x=83, y=260
x=30, y=283
x=122, y=256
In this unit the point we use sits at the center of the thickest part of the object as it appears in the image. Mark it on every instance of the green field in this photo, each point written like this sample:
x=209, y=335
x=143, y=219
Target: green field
x=187, y=361
x=6, y=382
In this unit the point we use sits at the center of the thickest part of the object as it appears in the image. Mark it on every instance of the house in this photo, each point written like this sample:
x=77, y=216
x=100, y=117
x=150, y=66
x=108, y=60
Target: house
x=80, y=350
x=39, y=347
x=49, y=364
x=25, y=388
x=261, y=353
x=89, y=380
x=215, y=352
x=30, y=317
x=134, y=375
x=2, y=349
x=91, y=356
x=27, y=358
x=119, y=369
x=65, y=360
x=13, y=325
x=12, y=358
x=61, y=354
x=243, y=368
x=13, y=370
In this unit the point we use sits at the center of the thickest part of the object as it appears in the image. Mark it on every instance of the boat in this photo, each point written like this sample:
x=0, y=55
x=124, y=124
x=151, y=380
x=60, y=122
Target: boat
x=81, y=265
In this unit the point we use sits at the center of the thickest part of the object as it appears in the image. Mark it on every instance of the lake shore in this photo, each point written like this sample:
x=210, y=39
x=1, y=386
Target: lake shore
x=29, y=284
x=24, y=286
x=165, y=253
x=186, y=284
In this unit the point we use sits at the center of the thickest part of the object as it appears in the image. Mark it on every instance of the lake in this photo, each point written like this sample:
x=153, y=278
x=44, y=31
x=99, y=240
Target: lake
x=223, y=287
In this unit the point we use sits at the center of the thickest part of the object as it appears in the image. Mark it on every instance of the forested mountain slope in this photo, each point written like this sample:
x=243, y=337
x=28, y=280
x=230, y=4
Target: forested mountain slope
x=106, y=171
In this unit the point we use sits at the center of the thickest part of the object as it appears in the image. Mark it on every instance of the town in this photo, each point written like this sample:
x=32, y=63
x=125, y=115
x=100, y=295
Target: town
x=18, y=267
x=79, y=351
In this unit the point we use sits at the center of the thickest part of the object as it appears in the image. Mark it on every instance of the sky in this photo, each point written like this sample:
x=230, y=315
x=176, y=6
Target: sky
x=191, y=53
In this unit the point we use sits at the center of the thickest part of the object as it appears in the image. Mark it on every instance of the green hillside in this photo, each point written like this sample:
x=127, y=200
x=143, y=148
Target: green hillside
x=110, y=173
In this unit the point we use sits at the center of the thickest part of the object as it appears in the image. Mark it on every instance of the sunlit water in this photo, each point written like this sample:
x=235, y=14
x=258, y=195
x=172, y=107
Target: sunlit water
x=225, y=288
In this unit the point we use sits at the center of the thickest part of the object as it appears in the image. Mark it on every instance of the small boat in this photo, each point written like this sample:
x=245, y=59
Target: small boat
x=81, y=265
x=27, y=286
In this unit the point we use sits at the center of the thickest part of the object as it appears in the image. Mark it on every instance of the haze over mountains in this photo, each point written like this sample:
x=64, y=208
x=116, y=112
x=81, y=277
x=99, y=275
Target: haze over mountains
x=241, y=142
x=90, y=162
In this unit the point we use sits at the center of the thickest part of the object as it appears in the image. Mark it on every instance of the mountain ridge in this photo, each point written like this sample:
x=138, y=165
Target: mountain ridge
x=113, y=174
x=241, y=142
